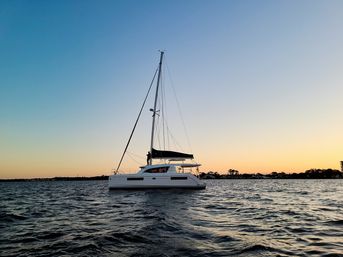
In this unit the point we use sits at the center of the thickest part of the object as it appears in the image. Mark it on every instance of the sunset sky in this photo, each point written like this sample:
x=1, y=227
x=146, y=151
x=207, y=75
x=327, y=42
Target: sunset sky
x=260, y=83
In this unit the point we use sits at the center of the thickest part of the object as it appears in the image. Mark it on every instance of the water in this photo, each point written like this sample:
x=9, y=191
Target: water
x=229, y=218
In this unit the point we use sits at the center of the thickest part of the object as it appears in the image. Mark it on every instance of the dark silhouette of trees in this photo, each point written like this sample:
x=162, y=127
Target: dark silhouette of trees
x=308, y=174
x=232, y=172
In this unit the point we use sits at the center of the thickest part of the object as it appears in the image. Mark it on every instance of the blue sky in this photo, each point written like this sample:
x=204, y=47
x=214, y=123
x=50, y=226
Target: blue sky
x=260, y=82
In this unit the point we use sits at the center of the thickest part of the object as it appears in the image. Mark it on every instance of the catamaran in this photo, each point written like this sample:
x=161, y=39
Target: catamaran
x=173, y=172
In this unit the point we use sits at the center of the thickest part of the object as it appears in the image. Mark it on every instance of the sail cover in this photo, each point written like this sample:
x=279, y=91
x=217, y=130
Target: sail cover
x=158, y=154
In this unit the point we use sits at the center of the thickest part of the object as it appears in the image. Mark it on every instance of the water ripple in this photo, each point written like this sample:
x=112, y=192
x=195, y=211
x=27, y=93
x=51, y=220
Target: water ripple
x=229, y=218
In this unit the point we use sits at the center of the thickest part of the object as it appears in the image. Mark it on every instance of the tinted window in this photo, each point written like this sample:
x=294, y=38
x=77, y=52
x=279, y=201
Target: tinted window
x=178, y=178
x=135, y=178
x=157, y=170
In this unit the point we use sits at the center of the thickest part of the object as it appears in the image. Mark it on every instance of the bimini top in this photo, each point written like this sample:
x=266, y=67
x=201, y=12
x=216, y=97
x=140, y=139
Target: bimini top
x=158, y=154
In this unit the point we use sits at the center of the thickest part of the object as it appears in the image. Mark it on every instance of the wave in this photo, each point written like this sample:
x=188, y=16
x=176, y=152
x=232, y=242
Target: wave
x=224, y=220
x=11, y=217
x=258, y=248
x=335, y=222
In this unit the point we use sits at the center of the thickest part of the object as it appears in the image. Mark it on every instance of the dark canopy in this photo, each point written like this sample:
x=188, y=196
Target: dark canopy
x=158, y=154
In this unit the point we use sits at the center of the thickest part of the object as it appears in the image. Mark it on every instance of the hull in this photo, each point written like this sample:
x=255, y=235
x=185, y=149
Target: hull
x=155, y=181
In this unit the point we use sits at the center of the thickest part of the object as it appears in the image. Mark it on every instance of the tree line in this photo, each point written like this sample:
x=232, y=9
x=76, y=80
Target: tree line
x=308, y=174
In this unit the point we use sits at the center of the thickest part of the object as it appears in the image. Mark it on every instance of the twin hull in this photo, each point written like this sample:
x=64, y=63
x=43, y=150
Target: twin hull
x=154, y=181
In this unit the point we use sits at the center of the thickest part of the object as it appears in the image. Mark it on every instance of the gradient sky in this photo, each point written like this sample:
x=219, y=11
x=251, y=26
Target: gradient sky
x=260, y=83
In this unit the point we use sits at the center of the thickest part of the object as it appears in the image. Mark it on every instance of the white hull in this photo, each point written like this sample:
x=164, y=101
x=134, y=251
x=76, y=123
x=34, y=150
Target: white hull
x=155, y=181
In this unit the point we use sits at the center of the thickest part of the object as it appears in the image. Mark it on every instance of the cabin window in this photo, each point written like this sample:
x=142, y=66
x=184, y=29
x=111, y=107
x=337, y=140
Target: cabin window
x=135, y=179
x=157, y=170
x=178, y=178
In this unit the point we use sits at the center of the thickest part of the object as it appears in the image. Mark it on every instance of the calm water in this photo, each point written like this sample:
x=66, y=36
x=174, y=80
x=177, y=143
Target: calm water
x=229, y=218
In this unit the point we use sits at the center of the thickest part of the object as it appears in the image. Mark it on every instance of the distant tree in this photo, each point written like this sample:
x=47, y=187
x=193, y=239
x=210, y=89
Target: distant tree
x=232, y=172
x=323, y=173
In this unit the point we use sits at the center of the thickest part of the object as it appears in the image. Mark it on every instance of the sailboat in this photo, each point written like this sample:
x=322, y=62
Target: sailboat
x=173, y=172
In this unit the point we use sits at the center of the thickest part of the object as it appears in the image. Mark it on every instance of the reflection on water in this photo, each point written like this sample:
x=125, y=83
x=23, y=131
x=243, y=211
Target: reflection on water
x=229, y=218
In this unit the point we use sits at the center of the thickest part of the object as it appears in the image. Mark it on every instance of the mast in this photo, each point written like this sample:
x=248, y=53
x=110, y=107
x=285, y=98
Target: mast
x=154, y=110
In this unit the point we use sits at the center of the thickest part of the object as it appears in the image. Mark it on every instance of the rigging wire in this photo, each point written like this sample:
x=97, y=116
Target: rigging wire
x=174, y=139
x=134, y=127
x=163, y=107
x=178, y=107
x=132, y=158
x=136, y=155
x=163, y=110
x=157, y=131
x=162, y=121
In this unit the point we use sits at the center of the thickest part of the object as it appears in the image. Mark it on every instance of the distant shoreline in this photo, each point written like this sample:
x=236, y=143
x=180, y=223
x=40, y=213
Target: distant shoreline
x=103, y=177
x=232, y=174
x=308, y=174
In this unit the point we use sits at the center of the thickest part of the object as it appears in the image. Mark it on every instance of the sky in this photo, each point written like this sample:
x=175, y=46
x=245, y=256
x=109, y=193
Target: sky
x=259, y=83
